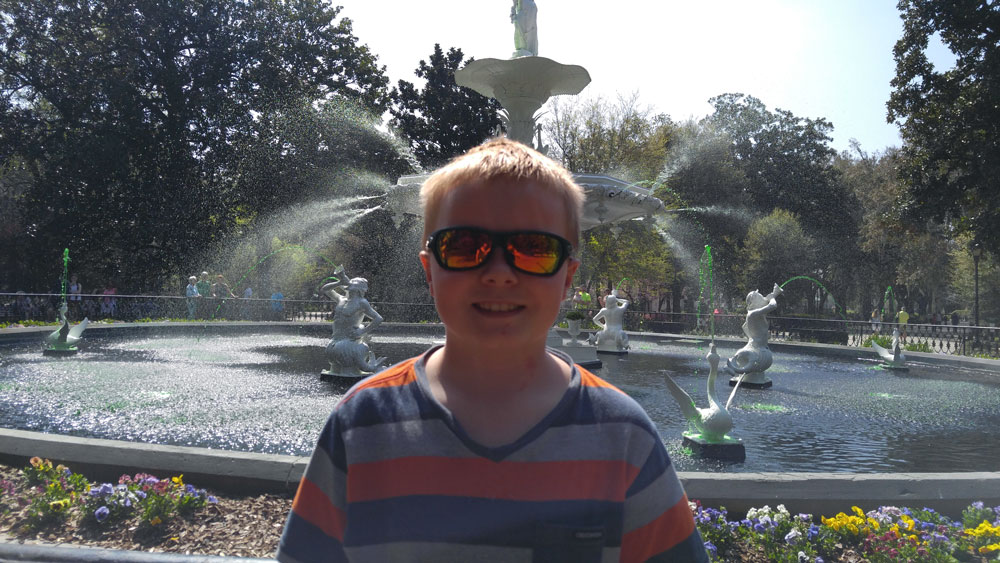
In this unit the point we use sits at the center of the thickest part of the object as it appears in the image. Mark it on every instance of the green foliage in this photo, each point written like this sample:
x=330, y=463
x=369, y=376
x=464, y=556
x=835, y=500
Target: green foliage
x=777, y=248
x=126, y=120
x=574, y=315
x=637, y=253
x=623, y=138
x=949, y=118
x=442, y=120
x=58, y=490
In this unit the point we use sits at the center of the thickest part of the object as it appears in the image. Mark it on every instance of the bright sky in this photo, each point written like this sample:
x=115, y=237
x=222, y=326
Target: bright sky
x=815, y=58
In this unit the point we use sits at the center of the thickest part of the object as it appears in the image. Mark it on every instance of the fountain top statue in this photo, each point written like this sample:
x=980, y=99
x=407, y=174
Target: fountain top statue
x=523, y=15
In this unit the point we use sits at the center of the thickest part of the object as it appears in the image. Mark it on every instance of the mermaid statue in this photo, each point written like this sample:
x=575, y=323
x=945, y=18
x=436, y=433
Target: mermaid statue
x=349, y=353
x=751, y=360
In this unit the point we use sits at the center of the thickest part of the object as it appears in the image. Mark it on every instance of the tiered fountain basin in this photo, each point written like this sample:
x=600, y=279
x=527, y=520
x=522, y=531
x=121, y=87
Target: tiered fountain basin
x=239, y=406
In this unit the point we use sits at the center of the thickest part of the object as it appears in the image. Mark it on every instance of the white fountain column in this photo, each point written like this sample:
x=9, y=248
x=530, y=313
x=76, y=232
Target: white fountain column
x=522, y=86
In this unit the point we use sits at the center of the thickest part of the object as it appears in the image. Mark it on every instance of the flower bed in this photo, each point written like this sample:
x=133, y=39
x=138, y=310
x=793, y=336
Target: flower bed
x=144, y=512
x=885, y=535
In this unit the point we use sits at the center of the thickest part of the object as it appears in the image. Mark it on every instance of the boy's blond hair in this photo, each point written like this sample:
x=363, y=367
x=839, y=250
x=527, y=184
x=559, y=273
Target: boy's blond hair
x=503, y=160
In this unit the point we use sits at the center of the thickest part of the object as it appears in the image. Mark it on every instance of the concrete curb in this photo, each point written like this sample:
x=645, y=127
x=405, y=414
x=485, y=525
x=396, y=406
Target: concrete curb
x=83, y=554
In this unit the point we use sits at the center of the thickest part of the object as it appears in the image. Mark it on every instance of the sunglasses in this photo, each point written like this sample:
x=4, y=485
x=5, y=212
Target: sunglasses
x=531, y=252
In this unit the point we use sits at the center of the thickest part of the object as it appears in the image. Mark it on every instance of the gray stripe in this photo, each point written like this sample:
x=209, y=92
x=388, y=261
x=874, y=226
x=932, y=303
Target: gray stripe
x=411, y=438
x=322, y=473
x=408, y=438
x=602, y=441
x=649, y=503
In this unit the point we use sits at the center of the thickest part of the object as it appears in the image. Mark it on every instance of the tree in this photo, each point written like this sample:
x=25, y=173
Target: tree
x=707, y=192
x=623, y=139
x=950, y=120
x=130, y=118
x=442, y=120
x=788, y=164
x=777, y=249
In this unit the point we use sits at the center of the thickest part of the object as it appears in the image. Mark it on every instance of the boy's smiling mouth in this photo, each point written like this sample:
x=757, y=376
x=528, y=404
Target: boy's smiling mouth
x=497, y=307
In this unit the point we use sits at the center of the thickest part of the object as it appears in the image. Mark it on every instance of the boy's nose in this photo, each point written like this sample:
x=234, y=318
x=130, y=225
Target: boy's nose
x=496, y=271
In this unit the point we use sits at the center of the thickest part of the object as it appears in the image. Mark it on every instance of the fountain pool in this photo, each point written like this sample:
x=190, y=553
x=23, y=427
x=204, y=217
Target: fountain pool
x=258, y=390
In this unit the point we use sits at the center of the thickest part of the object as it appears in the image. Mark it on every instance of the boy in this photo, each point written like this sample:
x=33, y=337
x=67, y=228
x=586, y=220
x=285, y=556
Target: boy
x=492, y=447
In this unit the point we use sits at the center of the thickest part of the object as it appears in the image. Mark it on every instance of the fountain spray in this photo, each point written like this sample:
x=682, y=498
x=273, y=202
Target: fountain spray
x=706, y=281
x=65, y=274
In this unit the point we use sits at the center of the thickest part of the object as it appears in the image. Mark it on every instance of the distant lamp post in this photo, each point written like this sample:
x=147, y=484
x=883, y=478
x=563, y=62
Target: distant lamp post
x=977, y=252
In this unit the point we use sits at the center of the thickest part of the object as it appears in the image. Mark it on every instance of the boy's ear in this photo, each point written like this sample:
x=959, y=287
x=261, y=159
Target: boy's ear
x=425, y=261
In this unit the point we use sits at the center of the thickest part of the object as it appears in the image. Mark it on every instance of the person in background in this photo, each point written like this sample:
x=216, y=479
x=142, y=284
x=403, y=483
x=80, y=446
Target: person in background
x=204, y=290
x=277, y=305
x=902, y=317
x=192, y=296
x=108, y=303
x=75, y=291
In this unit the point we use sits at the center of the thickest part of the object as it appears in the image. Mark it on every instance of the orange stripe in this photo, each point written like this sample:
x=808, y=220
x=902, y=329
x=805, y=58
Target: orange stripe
x=669, y=529
x=401, y=374
x=590, y=380
x=482, y=478
x=312, y=505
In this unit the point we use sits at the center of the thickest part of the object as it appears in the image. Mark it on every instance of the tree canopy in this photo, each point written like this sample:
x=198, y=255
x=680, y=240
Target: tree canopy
x=130, y=118
x=442, y=120
x=949, y=118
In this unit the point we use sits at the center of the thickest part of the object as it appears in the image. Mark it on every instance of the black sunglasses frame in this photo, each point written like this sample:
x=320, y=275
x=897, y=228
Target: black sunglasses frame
x=498, y=239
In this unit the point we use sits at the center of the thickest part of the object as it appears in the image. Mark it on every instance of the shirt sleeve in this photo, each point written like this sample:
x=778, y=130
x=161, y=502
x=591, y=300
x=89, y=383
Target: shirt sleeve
x=658, y=523
x=315, y=527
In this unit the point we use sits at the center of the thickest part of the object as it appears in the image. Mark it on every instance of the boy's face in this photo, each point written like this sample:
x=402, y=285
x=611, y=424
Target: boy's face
x=496, y=306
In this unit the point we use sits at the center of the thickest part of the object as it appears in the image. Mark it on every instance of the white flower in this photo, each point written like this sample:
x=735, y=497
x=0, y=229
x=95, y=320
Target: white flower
x=793, y=535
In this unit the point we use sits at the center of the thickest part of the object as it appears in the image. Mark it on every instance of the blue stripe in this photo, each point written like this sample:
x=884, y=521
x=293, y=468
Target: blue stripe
x=691, y=550
x=305, y=542
x=472, y=520
x=657, y=462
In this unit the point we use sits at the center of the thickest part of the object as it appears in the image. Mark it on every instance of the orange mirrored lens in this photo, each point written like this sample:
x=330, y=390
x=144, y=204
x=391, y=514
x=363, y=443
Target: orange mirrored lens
x=464, y=249
x=534, y=252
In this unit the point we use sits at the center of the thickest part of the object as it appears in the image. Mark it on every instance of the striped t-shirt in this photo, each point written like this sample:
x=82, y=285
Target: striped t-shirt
x=395, y=478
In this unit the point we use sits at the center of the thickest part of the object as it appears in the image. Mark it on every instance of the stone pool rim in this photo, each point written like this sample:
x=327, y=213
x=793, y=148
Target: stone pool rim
x=250, y=473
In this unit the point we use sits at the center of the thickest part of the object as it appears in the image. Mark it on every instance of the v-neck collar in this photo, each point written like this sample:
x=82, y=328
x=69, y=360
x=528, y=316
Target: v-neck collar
x=498, y=453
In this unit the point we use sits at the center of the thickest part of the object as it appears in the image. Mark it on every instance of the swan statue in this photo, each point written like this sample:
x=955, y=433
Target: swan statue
x=713, y=422
x=894, y=359
x=64, y=339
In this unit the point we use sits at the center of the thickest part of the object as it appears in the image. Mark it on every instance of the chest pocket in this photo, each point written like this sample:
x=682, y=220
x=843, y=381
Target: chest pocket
x=568, y=544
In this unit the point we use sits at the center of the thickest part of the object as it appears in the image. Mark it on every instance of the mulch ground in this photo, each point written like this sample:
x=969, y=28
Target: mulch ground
x=247, y=526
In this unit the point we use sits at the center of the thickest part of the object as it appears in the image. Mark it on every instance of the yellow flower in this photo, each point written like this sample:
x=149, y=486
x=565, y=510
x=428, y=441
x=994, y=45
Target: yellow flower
x=858, y=512
x=907, y=521
x=155, y=521
x=873, y=524
x=984, y=529
x=989, y=548
x=36, y=461
x=179, y=480
x=59, y=505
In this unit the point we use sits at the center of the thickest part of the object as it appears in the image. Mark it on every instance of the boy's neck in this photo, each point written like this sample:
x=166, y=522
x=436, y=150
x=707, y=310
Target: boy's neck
x=497, y=395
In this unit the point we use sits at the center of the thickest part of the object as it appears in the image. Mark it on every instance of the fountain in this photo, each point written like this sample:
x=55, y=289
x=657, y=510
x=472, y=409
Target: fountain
x=893, y=358
x=62, y=342
x=752, y=360
x=256, y=391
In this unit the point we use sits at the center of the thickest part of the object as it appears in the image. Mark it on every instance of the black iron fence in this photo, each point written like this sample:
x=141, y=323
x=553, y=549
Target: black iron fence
x=43, y=307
